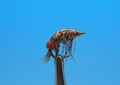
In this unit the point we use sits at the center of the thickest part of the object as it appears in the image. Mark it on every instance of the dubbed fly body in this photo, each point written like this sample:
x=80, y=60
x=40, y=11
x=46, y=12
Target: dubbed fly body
x=64, y=36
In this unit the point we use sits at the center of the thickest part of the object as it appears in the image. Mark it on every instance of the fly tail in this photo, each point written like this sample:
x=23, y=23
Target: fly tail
x=47, y=56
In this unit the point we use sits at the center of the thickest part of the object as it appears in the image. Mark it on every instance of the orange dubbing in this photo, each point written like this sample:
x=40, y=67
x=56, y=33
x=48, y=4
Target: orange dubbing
x=50, y=44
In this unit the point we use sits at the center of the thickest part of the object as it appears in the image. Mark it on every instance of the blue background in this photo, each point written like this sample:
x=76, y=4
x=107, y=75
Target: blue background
x=27, y=25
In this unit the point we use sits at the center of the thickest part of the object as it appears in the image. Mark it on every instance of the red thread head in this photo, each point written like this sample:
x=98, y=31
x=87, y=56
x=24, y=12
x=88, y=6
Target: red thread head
x=51, y=44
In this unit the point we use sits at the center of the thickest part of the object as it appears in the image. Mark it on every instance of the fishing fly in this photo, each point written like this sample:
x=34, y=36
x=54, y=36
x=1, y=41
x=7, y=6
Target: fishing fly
x=65, y=37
